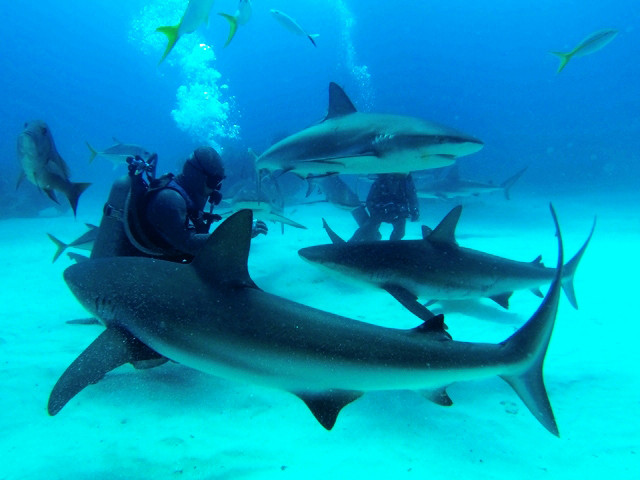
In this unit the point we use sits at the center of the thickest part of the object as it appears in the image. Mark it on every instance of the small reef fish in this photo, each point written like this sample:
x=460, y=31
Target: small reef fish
x=592, y=43
x=290, y=24
x=119, y=152
x=241, y=17
x=196, y=14
x=43, y=166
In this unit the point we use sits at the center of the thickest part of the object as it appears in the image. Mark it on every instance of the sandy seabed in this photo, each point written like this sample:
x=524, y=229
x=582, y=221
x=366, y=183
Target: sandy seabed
x=174, y=422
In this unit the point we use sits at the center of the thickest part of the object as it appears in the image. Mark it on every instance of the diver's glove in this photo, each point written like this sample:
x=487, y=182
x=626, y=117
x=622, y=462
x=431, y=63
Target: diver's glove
x=259, y=227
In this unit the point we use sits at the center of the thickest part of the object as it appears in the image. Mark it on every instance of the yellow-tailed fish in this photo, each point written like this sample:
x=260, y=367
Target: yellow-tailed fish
x=592, y=43
x=241, y=17
x=196, y=14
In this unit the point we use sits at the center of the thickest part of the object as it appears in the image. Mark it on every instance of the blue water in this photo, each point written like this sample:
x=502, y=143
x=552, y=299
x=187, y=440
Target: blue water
x=481, y=67
x=90, y=70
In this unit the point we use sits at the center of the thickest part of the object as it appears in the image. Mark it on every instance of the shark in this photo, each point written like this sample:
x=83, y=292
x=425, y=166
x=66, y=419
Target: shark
x=43, y=166
x=83, y=242
x=209, y=315
x=452, y=186
x=437, y=268
x=591, y=44
x=348, y=141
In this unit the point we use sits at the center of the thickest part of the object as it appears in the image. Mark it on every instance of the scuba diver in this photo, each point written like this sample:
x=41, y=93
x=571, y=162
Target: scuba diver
x=391, y=199
x=163, y=217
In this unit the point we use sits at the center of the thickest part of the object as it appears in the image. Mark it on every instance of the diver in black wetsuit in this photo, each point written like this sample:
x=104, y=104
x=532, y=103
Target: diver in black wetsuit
x=165, y=217
x=392, y=199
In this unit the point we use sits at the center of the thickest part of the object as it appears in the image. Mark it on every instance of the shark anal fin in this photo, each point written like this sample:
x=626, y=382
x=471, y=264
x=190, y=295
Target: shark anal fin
x=113, y=348
x=335, y=238
x=438, y=396
x=502, y=299
x=326, y=406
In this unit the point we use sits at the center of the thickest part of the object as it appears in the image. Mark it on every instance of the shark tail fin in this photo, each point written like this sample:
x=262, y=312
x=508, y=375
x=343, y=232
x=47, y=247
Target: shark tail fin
x=570, y=270
x=93, y=151
x=233, y=26
x=73, y=194
x=525, y=351
x=564, y=59
x=312, y=37
x=172, y=37
x=508, y=183
x=60, y=245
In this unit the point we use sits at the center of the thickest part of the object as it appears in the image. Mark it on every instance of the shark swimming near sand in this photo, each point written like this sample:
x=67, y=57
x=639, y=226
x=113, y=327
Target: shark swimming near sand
x=348, y=141
x=452, y=186
x=209, y=315
x=437, y=268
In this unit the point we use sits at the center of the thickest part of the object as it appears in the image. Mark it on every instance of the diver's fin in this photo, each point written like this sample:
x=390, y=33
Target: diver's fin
x=326, y=406
x=113, y=348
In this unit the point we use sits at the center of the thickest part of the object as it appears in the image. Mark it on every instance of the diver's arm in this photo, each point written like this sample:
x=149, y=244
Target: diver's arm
x=167, y=213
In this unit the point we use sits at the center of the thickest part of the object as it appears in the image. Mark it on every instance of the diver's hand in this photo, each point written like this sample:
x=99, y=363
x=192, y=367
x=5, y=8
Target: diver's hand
x=259, y=227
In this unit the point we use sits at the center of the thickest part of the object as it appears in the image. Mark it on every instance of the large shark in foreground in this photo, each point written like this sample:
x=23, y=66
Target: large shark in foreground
x=348, y=141
x=437, y=268
x=209, y=315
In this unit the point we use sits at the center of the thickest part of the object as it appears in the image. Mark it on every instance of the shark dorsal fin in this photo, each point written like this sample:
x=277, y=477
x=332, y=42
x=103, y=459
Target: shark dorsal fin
x=223, y=258
x=445, y=232
x=339, y=103
x=538, y=260
x=335, y=238
x=426, y=231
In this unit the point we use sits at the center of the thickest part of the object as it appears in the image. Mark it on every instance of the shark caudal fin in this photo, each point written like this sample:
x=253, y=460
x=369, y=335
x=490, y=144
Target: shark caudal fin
x=172, y=37
x=525, y=350
x=564, y=59
x=570, y=270
x=508, y=183
x=233, y=26
x=94, y=152
x=60, y=245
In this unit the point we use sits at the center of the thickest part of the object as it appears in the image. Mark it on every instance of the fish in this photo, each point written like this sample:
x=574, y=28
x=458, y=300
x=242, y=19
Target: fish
x=209, y=315
x=290, y=24
x=452, y=186
x=119, y=152
x=241, y=17
x=348, y=141
x=591, y=44
x=437, y=268
x=83, y=242
x=196, y=14
x=43, y=166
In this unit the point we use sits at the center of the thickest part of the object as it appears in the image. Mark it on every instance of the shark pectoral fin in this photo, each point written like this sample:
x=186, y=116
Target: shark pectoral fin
x=410, y=302
x=335, y=238
x=438, y=396
x=537, y=292
x=324, y=161
x=434, y=326
x=113, y=348
x=502, y=299
x=326, y=406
